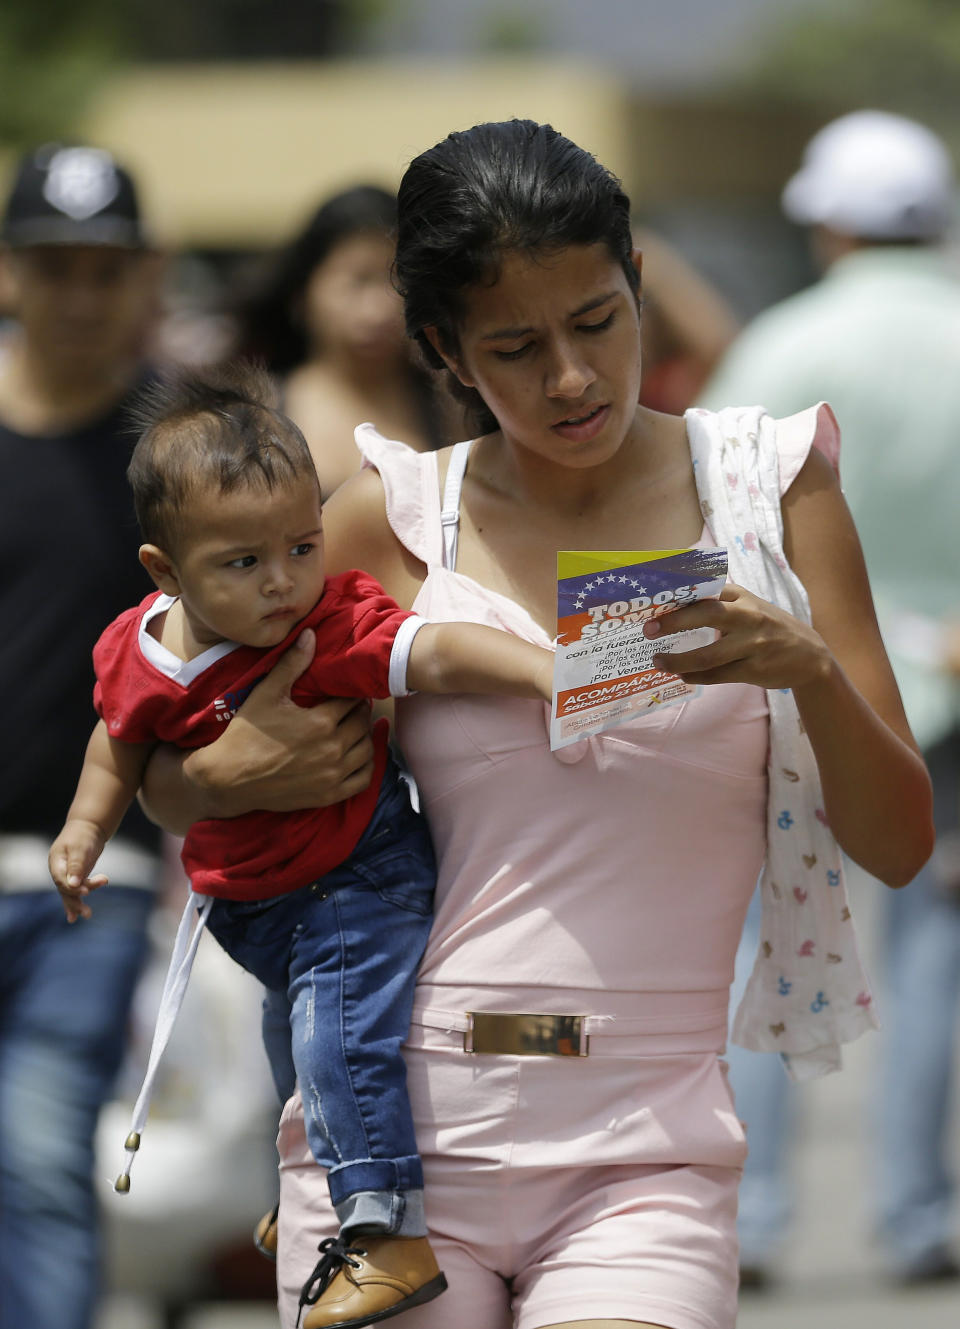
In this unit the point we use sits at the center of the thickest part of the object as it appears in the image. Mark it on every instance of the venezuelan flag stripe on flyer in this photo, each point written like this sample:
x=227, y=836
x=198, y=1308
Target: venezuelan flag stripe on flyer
x=604, y=672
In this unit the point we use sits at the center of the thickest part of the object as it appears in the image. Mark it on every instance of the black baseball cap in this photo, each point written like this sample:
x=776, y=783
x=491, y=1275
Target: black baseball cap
x=72, y=195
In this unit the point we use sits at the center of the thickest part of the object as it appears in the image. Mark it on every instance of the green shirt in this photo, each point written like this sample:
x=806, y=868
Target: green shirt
x=879, y=339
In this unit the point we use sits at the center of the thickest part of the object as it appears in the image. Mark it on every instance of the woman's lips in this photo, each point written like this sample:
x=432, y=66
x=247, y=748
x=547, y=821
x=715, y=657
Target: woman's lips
x=583, y=426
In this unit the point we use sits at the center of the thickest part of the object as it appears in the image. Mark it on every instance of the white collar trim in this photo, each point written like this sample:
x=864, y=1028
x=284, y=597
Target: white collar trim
x=164, y=661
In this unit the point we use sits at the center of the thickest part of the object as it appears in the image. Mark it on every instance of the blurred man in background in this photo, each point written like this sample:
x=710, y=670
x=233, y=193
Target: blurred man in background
x=83, y=287
x=879, y=338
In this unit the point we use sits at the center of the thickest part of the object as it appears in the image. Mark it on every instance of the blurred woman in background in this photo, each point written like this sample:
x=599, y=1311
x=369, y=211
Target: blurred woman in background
x=328, y=322
x=687, y=325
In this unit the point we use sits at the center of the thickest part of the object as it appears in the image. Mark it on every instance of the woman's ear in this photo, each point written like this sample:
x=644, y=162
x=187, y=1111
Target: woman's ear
x=161, y=569
x=453, y=364
x=637, y=256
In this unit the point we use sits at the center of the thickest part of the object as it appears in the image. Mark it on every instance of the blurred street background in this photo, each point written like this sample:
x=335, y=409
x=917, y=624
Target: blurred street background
x=237, y=117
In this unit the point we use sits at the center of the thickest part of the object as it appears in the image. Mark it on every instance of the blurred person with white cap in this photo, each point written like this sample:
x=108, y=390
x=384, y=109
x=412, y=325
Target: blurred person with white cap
x=83, y=283
x=878, y=336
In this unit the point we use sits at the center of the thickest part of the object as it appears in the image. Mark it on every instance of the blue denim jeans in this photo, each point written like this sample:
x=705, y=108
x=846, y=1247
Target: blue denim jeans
x=766, y=1101
x=919, y=990
x=340, y=956
x=918, y=1041
x=65, y=993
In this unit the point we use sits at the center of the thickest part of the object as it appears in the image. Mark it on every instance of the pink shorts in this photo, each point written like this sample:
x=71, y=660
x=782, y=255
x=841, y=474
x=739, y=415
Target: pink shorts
x=558, y=1189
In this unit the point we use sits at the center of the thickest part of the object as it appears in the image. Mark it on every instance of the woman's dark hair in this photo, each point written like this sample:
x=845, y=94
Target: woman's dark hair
x=271, y=331
x=515, y=185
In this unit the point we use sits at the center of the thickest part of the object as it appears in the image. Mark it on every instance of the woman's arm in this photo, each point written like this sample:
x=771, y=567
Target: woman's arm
x=274, y=755
x=876, y=788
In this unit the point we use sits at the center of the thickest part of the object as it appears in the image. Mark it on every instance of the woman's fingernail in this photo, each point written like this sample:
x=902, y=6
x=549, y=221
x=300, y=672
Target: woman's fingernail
x=651, y=628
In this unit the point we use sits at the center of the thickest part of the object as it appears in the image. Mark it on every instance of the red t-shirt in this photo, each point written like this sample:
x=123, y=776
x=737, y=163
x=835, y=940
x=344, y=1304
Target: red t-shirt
x=261, y=854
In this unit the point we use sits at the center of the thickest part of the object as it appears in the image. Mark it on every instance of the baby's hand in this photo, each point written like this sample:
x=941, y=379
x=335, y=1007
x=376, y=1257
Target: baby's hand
x=73, y=854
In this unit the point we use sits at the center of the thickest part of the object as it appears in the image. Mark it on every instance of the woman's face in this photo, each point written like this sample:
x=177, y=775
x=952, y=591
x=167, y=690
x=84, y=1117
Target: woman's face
x=350, y=306
x=554, y=350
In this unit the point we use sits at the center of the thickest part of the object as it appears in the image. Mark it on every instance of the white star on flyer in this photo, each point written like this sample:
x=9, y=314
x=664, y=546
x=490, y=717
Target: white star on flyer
x=589, y=586
x=623, y=578
x=611, y=577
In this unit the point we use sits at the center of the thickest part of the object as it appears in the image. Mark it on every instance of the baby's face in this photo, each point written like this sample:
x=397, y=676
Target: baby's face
x=250, y=564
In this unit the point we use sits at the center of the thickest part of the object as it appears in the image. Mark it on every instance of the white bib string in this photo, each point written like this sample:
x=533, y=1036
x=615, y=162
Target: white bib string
x=175, y=985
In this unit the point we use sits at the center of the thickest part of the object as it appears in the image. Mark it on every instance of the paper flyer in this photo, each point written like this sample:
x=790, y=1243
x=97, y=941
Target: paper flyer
x=604, y=672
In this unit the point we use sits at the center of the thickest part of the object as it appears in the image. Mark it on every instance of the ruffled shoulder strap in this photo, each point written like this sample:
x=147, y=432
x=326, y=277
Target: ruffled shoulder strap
x=412, y=489
x=791, y=437
x=816, y=427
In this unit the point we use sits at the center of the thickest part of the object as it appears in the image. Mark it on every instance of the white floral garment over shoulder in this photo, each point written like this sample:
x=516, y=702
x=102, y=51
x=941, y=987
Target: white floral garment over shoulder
x=808, y=993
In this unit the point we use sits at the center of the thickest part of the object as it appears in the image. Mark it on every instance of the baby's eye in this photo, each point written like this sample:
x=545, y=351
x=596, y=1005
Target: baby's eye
x=303, y=548
x=244, y=561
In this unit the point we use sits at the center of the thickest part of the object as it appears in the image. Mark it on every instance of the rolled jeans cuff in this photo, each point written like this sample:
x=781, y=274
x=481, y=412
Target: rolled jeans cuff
x=397, y=1213
x=374, y=1174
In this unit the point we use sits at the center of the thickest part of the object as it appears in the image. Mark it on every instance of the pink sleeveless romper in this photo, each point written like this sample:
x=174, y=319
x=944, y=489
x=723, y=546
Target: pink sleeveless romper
x=608, y=880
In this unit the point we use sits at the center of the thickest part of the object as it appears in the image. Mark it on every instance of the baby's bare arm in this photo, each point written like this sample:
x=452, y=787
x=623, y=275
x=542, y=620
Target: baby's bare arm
x=108, y=784
x=468, y=657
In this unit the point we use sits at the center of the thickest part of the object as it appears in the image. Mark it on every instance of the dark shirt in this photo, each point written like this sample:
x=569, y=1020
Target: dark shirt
x=68, y=566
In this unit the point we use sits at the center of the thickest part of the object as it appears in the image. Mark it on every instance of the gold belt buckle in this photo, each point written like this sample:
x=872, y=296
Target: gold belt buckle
x=526, y=1035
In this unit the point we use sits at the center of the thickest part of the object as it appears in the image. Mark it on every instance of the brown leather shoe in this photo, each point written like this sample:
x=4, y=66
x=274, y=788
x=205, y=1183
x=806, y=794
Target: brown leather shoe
x=368, y=1278
x=265, y=1234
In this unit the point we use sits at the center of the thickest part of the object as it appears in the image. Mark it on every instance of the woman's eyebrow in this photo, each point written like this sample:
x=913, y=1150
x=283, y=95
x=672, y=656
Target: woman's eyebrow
x=506, y=333
x=594, y=304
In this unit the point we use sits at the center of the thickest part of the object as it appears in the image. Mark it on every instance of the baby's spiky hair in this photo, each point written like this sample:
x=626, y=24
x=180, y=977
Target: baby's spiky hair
x=201, y=428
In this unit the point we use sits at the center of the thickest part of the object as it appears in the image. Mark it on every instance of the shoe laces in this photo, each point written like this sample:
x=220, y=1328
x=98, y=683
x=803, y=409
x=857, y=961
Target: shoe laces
x=335, y=1252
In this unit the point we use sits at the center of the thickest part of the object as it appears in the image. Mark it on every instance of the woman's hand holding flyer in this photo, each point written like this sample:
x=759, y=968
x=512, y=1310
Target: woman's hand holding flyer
x=604, y=672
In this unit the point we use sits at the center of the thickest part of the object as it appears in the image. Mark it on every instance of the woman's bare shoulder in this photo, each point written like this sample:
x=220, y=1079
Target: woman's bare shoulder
x=357, y=534
x=355, y=513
